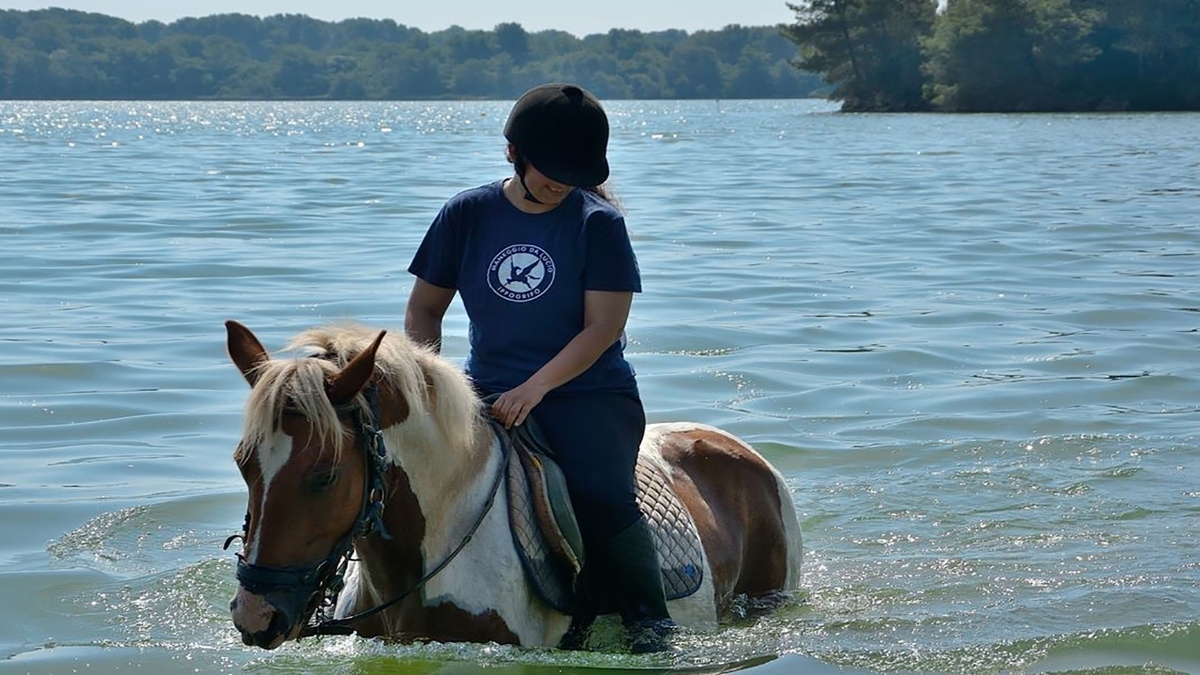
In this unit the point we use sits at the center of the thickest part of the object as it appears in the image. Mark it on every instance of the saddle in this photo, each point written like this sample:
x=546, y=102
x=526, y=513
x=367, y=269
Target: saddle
x=547, y=535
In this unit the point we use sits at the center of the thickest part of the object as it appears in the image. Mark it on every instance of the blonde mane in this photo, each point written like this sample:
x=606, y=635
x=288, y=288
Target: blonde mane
x=443, y=408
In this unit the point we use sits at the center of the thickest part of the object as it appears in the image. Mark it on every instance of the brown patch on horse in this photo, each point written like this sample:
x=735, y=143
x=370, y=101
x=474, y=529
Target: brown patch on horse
x=393, y=407
x=405, y=523
x=450, y=623
x=733, y=495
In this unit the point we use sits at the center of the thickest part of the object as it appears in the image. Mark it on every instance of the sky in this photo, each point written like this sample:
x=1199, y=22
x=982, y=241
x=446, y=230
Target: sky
x=579, y=17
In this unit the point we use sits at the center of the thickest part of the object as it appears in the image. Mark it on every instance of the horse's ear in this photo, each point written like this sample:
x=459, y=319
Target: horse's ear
x=245, y=350
x=345, y=385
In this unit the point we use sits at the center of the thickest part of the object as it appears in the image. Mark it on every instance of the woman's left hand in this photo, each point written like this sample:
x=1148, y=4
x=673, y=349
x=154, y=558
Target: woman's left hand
x=514, y=405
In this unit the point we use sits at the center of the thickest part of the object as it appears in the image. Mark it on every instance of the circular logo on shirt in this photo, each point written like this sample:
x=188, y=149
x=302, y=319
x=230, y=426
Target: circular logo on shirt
x=521, y=272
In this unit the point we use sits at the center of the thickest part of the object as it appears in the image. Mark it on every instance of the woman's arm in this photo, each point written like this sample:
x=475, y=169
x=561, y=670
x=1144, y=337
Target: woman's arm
x=604, y=317
x=427, y=304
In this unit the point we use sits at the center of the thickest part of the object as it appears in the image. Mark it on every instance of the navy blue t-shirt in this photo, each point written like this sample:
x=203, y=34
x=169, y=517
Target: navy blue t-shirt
x=522, y=279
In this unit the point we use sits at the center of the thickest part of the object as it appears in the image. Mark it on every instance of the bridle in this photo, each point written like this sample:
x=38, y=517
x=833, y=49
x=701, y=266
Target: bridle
x=322, y=583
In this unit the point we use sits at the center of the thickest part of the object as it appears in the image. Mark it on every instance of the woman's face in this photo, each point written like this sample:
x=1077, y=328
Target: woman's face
x=546, y=190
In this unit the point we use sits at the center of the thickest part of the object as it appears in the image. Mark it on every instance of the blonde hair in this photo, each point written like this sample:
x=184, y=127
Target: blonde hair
x=434, y=390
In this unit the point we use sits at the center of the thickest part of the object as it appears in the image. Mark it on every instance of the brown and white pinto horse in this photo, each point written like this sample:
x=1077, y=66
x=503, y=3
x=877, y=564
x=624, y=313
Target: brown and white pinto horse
x=374, y=444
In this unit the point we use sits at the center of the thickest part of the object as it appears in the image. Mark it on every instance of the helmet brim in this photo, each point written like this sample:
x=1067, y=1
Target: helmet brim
x=572, y=174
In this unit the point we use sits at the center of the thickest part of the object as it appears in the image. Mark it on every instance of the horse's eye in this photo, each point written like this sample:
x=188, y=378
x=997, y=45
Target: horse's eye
x=321, y=481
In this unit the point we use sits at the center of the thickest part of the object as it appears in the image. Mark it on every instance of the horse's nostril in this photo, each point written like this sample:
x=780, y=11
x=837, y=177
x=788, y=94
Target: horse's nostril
x=280, y=625
x=233, y=604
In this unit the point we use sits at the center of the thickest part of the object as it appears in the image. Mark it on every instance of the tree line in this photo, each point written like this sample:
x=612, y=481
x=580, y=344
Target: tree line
x=64, y=54
x=1003, y=55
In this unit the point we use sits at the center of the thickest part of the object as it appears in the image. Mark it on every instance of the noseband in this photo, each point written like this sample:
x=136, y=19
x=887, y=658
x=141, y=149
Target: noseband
x=319, y=585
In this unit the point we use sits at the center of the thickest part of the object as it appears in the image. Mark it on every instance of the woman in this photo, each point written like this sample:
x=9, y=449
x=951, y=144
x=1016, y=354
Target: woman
x=547, y=275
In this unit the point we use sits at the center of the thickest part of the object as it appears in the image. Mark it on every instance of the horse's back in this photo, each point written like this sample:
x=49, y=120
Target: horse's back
x=742, y=508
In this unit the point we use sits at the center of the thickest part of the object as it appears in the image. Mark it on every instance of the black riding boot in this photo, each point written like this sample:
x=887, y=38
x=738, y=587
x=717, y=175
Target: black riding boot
x=635, y=576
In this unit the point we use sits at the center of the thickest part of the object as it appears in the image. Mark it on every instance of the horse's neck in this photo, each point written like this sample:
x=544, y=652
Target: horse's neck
x=480, y=595
x=436, y=496
x=450, y=485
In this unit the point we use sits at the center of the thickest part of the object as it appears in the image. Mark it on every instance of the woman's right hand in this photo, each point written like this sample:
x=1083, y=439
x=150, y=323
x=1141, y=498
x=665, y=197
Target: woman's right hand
x=513, y=406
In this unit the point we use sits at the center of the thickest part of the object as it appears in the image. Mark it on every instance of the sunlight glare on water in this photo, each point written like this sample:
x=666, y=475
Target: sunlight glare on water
x=967, y=342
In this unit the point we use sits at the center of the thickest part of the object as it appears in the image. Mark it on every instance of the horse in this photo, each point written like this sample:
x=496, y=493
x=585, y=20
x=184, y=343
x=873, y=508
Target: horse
x=373, y=504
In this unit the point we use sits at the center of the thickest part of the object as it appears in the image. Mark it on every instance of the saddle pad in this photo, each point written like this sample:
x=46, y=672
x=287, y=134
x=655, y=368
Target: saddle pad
x=675, y=536
x=550, y=572
x=548, y=553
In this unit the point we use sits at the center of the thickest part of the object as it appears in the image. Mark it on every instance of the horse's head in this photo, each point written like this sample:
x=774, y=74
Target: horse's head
x=313, y=462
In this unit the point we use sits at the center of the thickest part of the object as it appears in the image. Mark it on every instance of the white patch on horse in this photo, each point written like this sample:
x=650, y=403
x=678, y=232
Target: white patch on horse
x=791, y=525
x=272, y=456
x=359, y=591
x=470, y=581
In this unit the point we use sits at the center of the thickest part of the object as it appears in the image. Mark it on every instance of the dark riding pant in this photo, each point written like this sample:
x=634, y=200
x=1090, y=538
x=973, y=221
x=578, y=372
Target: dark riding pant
x=595, y=438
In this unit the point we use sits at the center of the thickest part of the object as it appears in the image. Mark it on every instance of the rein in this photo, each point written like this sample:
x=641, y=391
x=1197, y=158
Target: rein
x=327, y=578
x=342, y=626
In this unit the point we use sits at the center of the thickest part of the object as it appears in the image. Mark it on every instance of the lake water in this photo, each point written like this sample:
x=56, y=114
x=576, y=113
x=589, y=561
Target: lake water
x=970, y=343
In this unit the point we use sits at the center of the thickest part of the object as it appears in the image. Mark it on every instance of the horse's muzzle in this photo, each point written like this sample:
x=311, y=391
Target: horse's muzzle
x=273, y=603
x=265, y=621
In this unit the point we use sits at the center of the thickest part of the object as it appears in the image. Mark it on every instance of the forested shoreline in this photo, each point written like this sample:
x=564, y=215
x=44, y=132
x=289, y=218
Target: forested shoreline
x=72, y=55
x=872, y=55
x=1003, y=55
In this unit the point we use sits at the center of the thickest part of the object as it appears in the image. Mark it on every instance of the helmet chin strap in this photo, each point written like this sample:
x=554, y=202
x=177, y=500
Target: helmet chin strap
x=519, y=164
x=528, y=195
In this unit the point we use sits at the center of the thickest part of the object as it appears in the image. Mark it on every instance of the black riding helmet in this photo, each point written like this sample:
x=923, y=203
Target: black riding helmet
x=562, y=130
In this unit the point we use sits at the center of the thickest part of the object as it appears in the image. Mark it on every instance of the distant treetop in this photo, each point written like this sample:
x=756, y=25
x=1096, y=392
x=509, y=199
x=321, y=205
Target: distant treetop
x=65, y=54
x=1003, y=55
